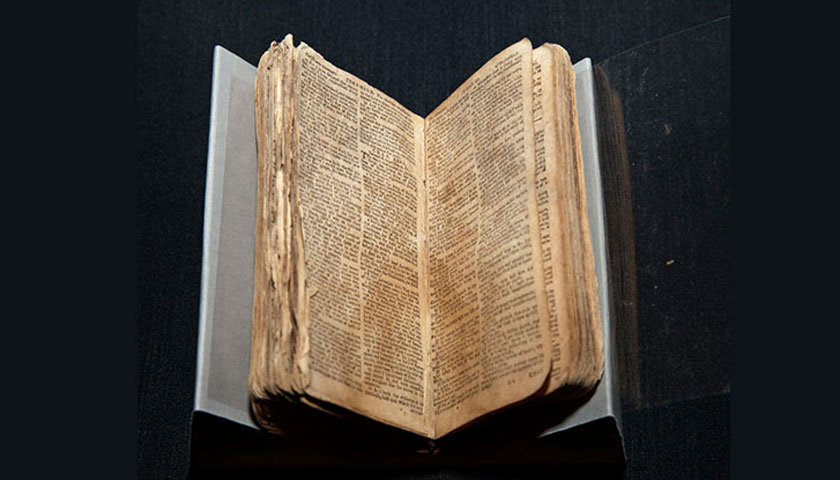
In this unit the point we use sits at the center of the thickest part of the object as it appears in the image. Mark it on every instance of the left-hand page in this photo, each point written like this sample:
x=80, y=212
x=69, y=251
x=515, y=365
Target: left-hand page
x=356, y=182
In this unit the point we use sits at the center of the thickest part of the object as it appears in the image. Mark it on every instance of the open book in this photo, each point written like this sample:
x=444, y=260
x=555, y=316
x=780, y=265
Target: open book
x=423, y=272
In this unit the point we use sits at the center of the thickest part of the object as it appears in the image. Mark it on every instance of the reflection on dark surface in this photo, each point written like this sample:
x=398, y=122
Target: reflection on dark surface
x=506, y=439
x=618, y=213
x=675, y=103
x=675, y=96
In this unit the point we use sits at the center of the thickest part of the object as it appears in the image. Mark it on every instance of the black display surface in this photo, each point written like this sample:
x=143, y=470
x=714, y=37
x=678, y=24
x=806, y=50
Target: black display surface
x=669, y=66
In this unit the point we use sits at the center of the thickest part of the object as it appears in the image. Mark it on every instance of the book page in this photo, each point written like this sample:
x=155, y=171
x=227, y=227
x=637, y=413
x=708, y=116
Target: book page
x=360, y=169
x=490, y=342
x=568, y=261
x=581, y=281
x=565, y=344
x=272, y=332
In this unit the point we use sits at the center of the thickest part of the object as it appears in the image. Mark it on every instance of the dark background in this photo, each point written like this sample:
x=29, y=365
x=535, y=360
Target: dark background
x=670, y=65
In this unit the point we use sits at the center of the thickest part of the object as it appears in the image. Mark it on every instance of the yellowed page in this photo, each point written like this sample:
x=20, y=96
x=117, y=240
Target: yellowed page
x=565, y=343
x=583, y=279
x=421, y=311
x=273, y=327
x=491, y=342
x=568, y=259
x=360, y=168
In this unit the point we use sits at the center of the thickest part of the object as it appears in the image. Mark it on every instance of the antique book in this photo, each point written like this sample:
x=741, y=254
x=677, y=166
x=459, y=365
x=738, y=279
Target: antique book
x=422, y=272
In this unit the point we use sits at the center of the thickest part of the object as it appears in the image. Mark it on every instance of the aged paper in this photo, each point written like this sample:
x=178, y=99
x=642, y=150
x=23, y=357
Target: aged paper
x=581, y=282
x=491, y=344
x=361, y=197
x=564, y=330
x=568, y=261
x=421, y=272
x=272, y=331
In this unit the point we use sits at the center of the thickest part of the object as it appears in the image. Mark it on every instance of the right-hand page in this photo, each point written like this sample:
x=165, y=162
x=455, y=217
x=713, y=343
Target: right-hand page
x=568, y=261
x=491, y=342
